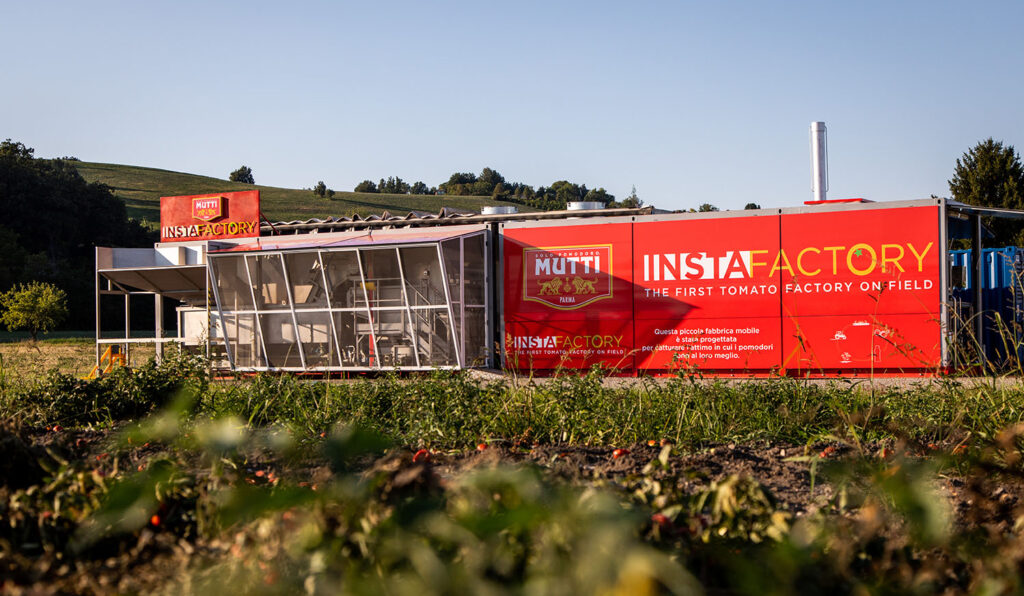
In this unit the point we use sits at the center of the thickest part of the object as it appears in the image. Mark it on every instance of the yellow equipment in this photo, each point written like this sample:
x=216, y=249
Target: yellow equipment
x=111, y=358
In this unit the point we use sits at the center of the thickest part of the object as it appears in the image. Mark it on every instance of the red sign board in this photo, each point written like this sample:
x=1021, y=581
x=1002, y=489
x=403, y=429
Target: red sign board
x=707, y=293
x=210, y=216
x=860, y=290
x=796, y=293
x=568, y=296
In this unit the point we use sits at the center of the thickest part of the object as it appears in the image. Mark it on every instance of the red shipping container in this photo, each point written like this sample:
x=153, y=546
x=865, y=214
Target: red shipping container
x=807, y=293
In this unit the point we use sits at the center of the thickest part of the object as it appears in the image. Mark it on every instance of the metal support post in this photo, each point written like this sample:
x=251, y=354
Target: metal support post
x=127, y=326
x=96, y=273
x=978, y=279
x=158, y=308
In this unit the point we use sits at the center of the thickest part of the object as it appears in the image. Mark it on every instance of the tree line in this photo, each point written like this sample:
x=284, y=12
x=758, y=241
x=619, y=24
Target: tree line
x=50, y=220
x=490, y=183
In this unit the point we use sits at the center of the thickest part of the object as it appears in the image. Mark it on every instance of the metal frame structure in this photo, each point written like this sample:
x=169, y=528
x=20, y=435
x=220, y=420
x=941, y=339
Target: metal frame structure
x=370, y=307
x=106, y=285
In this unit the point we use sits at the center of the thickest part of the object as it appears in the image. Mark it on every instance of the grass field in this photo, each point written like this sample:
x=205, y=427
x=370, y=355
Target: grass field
x=160, y=480
x=141, y=189
x=25, y=361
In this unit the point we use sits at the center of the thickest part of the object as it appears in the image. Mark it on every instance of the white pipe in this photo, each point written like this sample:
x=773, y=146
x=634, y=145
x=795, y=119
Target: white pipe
x=819, y=160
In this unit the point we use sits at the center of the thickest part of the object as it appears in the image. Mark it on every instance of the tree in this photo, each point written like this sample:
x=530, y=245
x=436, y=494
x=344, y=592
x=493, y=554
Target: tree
x=565, y=192
x=54, y=218
x=419, y=188
x=393, y=185
x=322, y=191
x=366, y=186
x=600, y=195
x=633, y=201
x=991, y=175
x=13, y=150
x=751, y=206
x=242, y=174
x=459, y=183
x=36, y=307
x=706, y=208
x=486, y=182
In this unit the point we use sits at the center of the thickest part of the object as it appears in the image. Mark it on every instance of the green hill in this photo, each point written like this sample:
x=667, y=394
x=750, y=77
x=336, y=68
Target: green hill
x=141, y=188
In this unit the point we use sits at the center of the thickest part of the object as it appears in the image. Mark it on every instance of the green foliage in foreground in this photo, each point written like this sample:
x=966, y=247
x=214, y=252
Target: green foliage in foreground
x=185, y=474
x=393, y=525
x=452, y=410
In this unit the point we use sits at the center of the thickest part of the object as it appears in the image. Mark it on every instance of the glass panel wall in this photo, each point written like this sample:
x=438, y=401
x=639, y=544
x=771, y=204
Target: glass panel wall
x=353, y=332
x=475, y=343
x=242, y=339
x=473, y=253
x=306, y=279
x=475, y=339
x=451, y=250
x=317, y=339
x=383, y=281
x=423, y=278
x=435, y=345
x=268, y=282
x=355, y=308
x=279, y=337
x=232, y=283
x=343, y=278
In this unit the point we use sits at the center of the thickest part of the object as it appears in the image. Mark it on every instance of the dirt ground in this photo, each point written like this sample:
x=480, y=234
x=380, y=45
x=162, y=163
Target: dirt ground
x=161, y=555
x=770, y=465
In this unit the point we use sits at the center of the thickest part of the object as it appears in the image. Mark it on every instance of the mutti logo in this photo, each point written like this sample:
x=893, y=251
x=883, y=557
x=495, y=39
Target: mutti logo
x=207, y=208
x=567, y=277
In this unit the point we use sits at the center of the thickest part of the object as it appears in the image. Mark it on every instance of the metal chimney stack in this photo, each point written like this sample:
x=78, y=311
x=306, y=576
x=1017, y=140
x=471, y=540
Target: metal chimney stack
x=819, y=160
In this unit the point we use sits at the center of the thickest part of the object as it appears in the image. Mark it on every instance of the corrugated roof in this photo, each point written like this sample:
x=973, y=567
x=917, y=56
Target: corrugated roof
x=352, y=239
x=444, y=217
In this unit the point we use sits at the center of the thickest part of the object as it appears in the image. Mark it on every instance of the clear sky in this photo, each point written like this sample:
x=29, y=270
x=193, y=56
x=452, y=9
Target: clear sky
x=690, y=102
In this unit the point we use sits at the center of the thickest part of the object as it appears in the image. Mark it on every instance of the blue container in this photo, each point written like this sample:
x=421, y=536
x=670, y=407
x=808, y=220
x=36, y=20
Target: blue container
x=1002, y=292
x=1000, y=265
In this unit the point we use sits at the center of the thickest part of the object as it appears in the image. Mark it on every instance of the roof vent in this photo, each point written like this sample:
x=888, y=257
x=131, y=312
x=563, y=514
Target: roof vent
x=498, y=210
x=837, y=201
x=584, y=205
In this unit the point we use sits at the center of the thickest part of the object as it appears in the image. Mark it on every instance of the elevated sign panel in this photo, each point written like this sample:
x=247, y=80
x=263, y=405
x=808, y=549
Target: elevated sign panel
x=214, y=216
